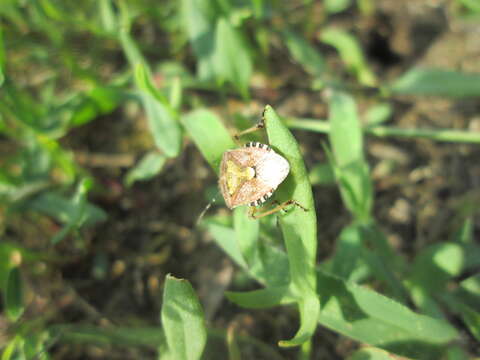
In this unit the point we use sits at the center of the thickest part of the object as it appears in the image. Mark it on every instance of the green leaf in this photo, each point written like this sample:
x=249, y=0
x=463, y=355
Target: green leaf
x=99, y=101
x=65, y=210
x=246, y=235
x=431, y=271
x=199, y=24
x=439, y=82
x=2, y=58
x=162, y=119
x=371, y=354
x=378, y=114
x=351, y=54
x=351, y=169
x=348, y=252
x=13, y=296
x=232, y=59
x=107, y=16
x=336, y=6
x=299, y=227
x=182, y=319
x=149, y=166
x=209, y=134
x=304, y=53
x=322, y=174
x=85, y=334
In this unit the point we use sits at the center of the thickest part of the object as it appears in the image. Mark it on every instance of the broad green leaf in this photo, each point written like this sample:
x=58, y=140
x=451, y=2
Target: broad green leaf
x=182, y=320
x=149, y=166
x=304, y=53
x=351, y=54
x=369, y=317
x=199, y=23
x=232, y=59
x=299, y=227
x=439, y=82
x=209, y=134
x=13, y=294
x=351, y=169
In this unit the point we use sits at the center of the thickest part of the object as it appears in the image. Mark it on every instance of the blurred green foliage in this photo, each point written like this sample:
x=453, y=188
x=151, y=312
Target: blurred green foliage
x=66, y=64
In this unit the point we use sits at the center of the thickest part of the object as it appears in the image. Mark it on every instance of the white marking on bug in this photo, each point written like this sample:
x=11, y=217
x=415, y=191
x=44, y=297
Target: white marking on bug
x=272, y=169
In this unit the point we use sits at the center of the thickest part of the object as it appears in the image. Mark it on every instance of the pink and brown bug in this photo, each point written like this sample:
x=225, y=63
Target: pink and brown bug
x=249, y=176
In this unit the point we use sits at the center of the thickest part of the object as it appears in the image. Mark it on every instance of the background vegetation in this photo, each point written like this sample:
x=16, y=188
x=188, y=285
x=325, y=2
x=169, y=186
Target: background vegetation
x=114, y=115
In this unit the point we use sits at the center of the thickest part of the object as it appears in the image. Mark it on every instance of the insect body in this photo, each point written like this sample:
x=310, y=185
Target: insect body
x=250, y=175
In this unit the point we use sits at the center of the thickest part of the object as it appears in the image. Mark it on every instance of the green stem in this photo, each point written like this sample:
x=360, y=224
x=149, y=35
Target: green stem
x=447, y=135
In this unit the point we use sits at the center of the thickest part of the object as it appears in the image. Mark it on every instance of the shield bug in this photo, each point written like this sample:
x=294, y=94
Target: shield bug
x=249, y=176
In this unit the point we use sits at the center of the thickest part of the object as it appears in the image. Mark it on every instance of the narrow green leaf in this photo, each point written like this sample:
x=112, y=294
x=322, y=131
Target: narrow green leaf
x=299, y=227
x=439, y=82
x=13, y=296
x=232, y=59
x=352, y=172
x=84, y=334
x=304, y=53
x=351, y=54
x=182, y=319
x=209, y=134
x=262, y=298
x=149, y=166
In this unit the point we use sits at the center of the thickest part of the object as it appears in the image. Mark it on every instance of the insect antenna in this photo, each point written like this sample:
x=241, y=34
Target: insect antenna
x=207, y=207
